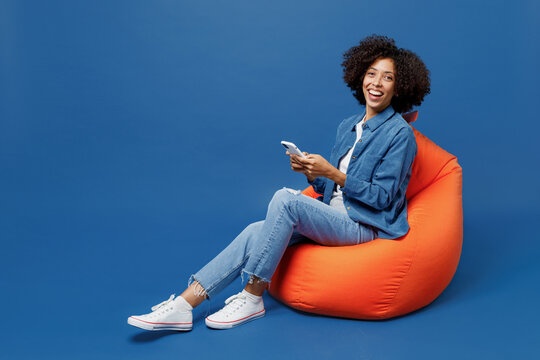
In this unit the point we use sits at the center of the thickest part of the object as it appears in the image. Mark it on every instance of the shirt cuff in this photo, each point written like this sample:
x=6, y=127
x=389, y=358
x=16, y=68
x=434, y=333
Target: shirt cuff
x=318, y=185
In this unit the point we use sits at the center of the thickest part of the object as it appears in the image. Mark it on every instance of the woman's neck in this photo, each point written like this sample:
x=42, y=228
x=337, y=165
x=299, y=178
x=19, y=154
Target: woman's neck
x=370, y=113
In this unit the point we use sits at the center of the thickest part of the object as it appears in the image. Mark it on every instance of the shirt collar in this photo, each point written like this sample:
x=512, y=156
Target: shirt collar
x=377, y=120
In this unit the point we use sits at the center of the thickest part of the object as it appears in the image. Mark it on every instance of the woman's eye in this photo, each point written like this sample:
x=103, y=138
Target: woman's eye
x=389, y=78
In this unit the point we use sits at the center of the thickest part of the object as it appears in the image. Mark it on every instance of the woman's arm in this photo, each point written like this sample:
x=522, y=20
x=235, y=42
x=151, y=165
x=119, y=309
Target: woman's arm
x=388, y=176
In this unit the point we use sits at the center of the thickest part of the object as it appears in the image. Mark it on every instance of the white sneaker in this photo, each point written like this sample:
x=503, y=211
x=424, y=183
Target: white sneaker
x=239, y=309
x=172, y=314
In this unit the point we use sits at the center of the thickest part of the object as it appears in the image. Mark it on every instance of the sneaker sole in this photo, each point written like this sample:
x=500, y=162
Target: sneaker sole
x=146, y=325
x=220, y=325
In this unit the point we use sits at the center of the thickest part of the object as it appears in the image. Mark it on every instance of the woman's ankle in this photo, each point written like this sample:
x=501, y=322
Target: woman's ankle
x=255, y=286
x=194, y=294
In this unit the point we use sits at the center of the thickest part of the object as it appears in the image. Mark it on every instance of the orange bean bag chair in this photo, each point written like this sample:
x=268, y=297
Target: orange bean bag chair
x=385, y=278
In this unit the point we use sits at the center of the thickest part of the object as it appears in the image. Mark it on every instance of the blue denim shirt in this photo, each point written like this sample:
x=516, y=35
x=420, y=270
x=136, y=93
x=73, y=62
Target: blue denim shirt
x=378, y=174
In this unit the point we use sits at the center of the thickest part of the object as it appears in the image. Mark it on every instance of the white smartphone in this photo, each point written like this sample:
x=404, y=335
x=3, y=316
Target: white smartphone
x=292, y=149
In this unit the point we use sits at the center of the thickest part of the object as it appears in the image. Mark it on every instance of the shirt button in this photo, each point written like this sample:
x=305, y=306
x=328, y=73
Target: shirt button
x=360, y=140
x=354, y=157
x=348, y=208
x=364, y=125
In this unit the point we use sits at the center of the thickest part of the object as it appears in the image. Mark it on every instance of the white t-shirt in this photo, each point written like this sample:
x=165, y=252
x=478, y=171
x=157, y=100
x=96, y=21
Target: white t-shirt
x=337, y=196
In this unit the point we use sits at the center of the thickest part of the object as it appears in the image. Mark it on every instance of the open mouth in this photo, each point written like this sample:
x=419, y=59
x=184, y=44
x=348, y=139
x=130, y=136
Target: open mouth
x=374, y=94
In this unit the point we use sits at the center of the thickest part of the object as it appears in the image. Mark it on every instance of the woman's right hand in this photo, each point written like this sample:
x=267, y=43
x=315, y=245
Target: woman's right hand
x=298, y=166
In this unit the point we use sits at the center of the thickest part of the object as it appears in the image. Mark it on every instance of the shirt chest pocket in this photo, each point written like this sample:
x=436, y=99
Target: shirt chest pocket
x=364, y=167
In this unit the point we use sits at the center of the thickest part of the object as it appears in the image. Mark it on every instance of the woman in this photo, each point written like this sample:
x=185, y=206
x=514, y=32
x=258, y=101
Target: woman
x=363, y=187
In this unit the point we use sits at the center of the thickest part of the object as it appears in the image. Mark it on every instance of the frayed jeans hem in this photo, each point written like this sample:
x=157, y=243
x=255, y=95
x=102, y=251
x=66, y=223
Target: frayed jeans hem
x=251, y=275
x=200, y=290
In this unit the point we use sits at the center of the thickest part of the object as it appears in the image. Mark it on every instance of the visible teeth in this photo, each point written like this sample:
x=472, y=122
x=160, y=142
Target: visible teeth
x=376, y=93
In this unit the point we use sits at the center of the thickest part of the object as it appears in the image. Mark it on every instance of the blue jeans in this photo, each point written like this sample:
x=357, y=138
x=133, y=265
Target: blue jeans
x=291, y=218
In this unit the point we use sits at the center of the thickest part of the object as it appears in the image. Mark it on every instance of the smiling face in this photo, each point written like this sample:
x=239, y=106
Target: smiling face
x=378, y=86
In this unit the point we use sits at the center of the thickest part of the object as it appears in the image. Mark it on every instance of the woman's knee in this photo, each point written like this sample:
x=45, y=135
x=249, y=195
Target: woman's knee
x=283, y=197
x=251, y=231
x=245, y=239
x=254, y=227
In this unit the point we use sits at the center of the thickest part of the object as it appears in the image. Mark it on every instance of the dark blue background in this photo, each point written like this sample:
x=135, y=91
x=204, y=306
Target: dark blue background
x=137, y=138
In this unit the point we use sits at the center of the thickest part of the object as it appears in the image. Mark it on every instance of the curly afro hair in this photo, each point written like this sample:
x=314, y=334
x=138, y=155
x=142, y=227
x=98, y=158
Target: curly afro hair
x=412, y=76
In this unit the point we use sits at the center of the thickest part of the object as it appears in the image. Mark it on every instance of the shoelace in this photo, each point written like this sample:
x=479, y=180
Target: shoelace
x=171, y=298
x=230, y=302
